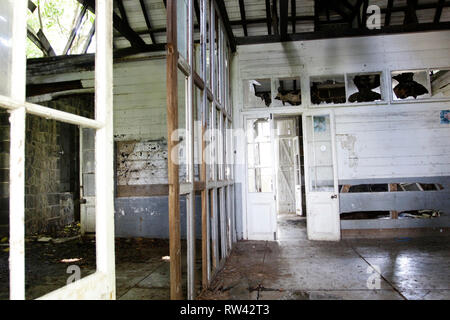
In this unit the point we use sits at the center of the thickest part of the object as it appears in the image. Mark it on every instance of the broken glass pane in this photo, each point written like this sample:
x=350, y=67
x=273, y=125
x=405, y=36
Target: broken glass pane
x=328, y=89
x=409, y=85
x=288, y=92
x=257, y=93
x=440, y=83
x=364, y=87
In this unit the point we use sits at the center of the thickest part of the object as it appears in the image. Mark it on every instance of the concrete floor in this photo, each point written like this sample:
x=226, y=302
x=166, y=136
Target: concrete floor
x=295, y=268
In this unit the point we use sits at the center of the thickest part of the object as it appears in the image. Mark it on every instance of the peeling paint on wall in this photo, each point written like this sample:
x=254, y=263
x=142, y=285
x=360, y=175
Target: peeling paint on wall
x=142, y=162
x=348, y=143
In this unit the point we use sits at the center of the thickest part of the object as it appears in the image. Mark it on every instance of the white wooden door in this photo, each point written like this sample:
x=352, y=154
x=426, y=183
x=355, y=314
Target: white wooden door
x=322, y=202
x=261, y=215
x=297, y=177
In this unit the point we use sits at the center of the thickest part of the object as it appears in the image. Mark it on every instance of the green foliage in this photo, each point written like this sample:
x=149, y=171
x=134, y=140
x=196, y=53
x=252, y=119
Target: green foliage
x=58, y=18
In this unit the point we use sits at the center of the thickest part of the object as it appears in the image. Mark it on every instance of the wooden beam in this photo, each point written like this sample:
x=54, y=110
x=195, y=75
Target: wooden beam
x=120, y=25
x=284, y=5
x=387, y=17
x=437, y=16
x=243, y=19
x=123, y=13
x=364, y=14
x=74, y=31
x=89, y=38
x=173, y=169
x=275, y=18
x=197, y=11
x=31, y=6
x=147, y=20
x=35, y=39
x=293, y=14
x=226, y=22
x=45, y=43
x=335, y=33
x=410, y=12
x=392, y=187
x=268, y=18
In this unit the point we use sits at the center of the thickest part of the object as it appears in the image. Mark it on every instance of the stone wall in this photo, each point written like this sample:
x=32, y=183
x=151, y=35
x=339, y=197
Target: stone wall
x=51, y=167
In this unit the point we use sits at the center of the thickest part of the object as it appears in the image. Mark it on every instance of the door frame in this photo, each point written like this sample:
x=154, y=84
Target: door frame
x=254, y=115
x=306, y=156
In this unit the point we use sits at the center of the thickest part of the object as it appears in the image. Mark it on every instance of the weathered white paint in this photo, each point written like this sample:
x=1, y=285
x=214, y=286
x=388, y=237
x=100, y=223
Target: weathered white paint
x=373, y=140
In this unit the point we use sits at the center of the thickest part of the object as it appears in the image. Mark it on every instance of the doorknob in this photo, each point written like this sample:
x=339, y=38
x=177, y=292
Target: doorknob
x=334, y=196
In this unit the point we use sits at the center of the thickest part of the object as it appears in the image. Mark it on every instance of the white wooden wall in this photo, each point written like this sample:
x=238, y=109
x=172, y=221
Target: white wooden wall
x=139, y=97
x=373, y=141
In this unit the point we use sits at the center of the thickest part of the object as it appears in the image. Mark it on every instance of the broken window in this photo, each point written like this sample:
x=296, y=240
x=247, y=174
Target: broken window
x=288, y=92
x=328, y=89
x=409, y=85
x=257, y=93
x=364, y=87
x=440, y=83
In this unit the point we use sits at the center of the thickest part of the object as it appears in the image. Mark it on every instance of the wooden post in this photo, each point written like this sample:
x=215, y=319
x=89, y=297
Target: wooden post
x=173, y=170
x=392, y=188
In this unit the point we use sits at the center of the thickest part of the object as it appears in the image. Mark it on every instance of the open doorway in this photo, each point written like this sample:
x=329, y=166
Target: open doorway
x=289, y=177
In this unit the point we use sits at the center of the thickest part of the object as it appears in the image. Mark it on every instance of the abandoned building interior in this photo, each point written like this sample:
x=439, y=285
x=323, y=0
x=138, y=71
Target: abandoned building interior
x=225, y=149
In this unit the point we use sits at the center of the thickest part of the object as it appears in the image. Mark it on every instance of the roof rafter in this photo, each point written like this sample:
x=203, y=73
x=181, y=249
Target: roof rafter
x=226, y=22
x=121, y=26
x=243, y=19
x=284, y=5
x=147, y=20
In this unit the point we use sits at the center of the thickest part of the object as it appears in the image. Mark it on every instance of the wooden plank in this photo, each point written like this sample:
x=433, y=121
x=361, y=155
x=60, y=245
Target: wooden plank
x=293, y=15
x=392, y=187
x=437, y=16
x=173, y=168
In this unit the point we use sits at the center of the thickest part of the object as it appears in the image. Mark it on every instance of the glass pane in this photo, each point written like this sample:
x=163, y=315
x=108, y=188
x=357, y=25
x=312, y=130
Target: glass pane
x=288, y=92
x=197, y=133
x=257, y=93
x=328, y=89
x=182, y=126
x=182, y=27
x=407, y=85
x=364, y=87
x=260, y=180
x=258, y=130
x=321, y=175
x=440, y=83
x=259, y=154
x=6, y=15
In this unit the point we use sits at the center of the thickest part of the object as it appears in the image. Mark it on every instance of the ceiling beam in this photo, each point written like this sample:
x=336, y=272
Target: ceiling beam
x=123, y=13
x=293, y=14
x=197, y=11
x=339, y=33
x=437, y=16
x=243, y=19
x=121, y=26
x=284, y=5
x=387, y=16
x=147, y=20
x=275, y=18
x=226, y=22
x=268, y=18
x=410, y=12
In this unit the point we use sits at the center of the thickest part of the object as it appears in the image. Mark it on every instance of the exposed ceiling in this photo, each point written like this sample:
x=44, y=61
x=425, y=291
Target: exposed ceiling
x=140, y=25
